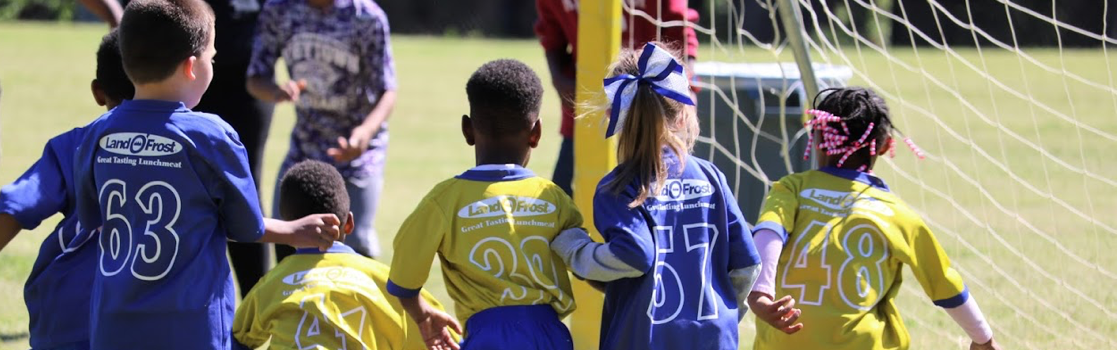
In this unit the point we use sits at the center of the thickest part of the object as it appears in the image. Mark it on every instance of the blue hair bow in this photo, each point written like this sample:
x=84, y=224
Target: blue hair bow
x=656, y=67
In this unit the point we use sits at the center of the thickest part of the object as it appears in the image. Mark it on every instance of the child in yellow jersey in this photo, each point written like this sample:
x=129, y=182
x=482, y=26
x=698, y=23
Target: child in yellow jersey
x=491, y=228
x=336, y=299
x=833, y=243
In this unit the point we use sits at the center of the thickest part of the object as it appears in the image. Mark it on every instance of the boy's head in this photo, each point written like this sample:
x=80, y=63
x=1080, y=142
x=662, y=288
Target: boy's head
x=313, y=187
x=110, y=85
x=169, y=43
x=504, y=99
x=863, y=131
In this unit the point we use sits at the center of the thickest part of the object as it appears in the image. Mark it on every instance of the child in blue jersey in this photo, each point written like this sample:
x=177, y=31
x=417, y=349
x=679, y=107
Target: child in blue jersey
x=168, y=187
x=834, y=242
x=57, y=291
x=491, y=228
x=678, y=258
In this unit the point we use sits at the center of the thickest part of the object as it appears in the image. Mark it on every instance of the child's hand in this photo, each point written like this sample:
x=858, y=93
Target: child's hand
x=317, y=230
x=351, y=148
x=780, y=314
x=436, y=330
x=290, y=91
x=991, y=345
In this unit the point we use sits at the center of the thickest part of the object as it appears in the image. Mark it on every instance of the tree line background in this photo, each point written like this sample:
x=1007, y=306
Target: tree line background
x=514, y=18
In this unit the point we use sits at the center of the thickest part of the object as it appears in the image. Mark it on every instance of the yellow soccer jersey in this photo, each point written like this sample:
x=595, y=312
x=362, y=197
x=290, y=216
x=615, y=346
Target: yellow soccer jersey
x=846, y=238
x=332, y=300
x=491, y=228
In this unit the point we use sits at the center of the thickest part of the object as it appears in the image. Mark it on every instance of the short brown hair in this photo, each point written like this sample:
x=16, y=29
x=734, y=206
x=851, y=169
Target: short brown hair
x=157, y=35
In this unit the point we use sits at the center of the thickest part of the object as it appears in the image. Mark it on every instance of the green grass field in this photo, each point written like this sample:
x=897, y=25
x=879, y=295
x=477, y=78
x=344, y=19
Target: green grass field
x=1031, y=236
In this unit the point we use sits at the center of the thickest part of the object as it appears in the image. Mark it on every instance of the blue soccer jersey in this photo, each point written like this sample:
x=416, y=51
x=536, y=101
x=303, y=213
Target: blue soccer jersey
x=57, y=291
x=169, y=187
x=687, y=239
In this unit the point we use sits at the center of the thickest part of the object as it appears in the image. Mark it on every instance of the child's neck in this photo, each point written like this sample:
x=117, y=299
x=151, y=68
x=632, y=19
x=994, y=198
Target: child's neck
x=500, y=155
x=163, y=90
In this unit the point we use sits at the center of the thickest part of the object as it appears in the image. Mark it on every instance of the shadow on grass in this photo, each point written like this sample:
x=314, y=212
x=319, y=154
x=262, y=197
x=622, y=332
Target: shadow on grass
x=13, y=337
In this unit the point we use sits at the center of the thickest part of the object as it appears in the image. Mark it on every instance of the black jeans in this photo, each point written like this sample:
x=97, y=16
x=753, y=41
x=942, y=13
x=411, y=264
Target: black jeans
x=564, y=166
x=228, y=98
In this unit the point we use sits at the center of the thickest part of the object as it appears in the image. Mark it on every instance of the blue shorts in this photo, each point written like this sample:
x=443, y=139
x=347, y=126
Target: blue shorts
x=517, y=327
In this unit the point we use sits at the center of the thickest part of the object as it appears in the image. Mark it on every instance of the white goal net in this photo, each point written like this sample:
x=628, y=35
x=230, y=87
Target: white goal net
x=1013, y=102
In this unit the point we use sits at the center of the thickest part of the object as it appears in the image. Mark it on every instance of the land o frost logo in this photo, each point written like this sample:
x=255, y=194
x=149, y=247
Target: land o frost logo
x=138, y=144
x=502, y=205
x=681, y=190
x=328, y=274
x=836, y=200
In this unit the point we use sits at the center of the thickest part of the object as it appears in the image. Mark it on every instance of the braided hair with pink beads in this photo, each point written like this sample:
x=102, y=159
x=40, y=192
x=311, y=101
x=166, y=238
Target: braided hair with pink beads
x=853, y=123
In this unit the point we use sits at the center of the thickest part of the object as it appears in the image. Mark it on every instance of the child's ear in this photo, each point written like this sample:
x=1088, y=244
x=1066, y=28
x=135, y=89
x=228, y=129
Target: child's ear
x=188, y=68
x=536, y=133
x=885, y=146
x=348, y=227
x=467, y=130
x=98, y=93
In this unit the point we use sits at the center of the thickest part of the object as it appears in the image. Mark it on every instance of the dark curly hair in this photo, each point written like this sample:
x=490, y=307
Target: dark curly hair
x=859, y=125
x=313, y=187
x=504, y=97
x=110, y=71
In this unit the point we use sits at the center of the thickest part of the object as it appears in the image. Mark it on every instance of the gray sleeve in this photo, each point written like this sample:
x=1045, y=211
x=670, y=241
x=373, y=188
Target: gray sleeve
x=589, y=259
x=742, y=280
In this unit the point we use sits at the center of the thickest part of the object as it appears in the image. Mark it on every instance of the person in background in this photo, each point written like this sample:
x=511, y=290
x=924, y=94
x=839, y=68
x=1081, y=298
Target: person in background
x=229, y=99
x=557, y=29
x=343, y=84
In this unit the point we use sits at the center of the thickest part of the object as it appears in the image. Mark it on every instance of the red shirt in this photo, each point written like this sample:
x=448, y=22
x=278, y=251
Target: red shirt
x=557, y=28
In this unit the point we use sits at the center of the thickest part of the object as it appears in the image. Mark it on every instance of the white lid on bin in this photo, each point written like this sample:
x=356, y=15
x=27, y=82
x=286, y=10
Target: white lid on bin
x=772, y=70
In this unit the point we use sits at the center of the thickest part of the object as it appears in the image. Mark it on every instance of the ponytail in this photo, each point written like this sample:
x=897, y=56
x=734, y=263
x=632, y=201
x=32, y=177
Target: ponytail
x=653, y=124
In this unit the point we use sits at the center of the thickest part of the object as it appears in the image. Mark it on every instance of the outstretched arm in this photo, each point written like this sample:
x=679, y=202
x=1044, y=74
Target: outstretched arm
x=969, y=317
x=589, y=259
x=316, y=230
x=107, y=10
x=434, y=324
x=780, y=313
x=742, y=280
x=9, y=227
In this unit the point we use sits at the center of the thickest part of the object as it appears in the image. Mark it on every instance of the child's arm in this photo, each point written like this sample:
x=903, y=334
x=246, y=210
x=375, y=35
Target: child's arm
x=589, y=259
x=37, y=194
x=780, y=314
x=376, y=54
x=941, y=283
x=316, y=230
x=271, y=38
x=265, y=89
x=9, y=227
x=434, y=324
x=969, y=317
x=107, y=10
x=358, y=141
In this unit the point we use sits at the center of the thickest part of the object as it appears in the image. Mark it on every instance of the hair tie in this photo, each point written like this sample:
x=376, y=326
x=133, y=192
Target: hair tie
x=656, y=67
